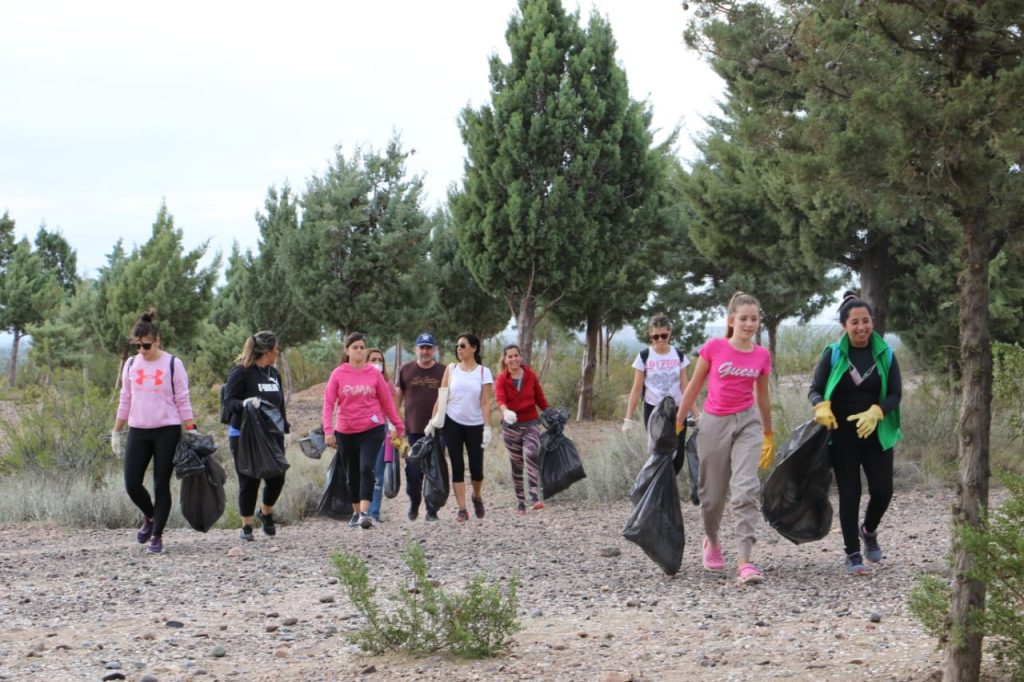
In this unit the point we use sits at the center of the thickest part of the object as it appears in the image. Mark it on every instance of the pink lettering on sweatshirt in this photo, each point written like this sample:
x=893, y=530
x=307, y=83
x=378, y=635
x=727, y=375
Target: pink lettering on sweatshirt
x=357, y=400
x=148, y=401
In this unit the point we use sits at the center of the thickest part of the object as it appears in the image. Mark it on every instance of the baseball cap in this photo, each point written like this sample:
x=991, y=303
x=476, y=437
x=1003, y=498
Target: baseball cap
x=426, y=339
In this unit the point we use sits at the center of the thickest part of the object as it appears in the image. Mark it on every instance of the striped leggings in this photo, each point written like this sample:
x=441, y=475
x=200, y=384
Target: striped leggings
x=522, y=441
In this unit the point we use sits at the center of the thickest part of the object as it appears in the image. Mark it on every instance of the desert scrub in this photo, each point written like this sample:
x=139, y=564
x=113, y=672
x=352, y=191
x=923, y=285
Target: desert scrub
x=476, y=623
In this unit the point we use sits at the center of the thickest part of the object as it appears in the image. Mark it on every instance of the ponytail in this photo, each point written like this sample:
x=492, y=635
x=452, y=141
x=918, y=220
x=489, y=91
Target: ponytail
x=738, y=299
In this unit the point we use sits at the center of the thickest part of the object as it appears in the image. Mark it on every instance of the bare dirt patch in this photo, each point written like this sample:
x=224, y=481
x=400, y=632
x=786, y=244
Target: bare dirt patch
x=81, y=604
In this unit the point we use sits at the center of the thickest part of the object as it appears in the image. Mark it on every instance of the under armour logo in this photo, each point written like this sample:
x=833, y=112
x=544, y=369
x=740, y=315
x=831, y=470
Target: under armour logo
x=157, y=376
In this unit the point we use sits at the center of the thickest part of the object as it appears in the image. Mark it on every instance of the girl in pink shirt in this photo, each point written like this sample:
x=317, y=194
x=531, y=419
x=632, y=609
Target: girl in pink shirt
x=357, y=401
x=735, y=436
x=154, y=404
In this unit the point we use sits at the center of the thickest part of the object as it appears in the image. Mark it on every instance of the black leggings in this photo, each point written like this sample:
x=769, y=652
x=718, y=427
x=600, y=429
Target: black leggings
x=849, y=454
x=156, y=445
x=359, y=453
x=456, y=436
x=249, y=488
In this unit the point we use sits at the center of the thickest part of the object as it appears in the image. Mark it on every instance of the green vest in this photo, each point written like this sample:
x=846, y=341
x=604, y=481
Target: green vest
x=889, y=432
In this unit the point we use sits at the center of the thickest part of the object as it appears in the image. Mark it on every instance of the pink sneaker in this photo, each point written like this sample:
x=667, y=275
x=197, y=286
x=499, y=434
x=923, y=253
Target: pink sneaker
x=749, y=573
x=713, y=560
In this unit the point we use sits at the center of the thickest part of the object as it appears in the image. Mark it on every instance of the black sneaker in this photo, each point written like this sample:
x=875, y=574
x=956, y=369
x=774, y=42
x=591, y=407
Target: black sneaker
x=872, y=552
x=267, y=521
x=246, y=534
x=855, y=564
x=354, y=521
x=414, y=512
x=478, y=507
x=431, y=516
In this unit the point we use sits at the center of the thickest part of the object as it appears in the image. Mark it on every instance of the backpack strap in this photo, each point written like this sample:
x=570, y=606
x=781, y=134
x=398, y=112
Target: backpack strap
x=173, y=392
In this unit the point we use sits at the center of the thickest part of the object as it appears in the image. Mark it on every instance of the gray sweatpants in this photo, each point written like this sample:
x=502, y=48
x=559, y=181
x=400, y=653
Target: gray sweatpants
x=730, y=448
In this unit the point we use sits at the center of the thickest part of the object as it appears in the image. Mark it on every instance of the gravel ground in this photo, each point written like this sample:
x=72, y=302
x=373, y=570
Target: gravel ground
x=92, y=605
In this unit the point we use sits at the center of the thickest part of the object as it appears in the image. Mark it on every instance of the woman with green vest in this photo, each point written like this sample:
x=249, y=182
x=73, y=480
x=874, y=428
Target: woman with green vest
x=856, y=392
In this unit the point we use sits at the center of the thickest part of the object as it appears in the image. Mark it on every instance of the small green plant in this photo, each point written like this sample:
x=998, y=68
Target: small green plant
x=997, y=548
x=476, y=623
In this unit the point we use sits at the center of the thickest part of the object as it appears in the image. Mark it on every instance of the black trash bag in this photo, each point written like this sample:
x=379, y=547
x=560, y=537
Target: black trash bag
x=259, y=453
x=190, y=453
x=434, y=466
x=560, y=463
x=794, y=497
x=656, y=524
x=392, y=477
x=693, y=465
x=314, y=444
x=202, y=496
x=420, y=450
x=335, y=501
x=661, y=442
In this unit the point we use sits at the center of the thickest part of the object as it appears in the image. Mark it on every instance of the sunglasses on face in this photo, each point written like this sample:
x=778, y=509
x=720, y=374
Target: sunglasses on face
x=144, y=346
x=462, y=345
x=659, y=337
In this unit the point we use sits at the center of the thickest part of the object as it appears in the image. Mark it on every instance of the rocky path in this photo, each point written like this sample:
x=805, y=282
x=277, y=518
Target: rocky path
x=90, y=605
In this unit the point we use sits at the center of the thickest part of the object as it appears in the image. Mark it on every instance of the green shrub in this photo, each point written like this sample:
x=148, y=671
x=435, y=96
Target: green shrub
x=63, y=432
x=997, y=549
x=477, y=623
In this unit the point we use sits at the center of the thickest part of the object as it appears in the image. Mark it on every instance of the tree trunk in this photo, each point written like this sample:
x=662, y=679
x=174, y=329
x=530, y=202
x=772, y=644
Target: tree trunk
x=875, y=266
x=608, y=334
x=585, y=409
x=967, y=598
x=398, y=356
x=14, y=356
x=546, y=365
x=526, y=324
x=286, y=374
x=773, y=340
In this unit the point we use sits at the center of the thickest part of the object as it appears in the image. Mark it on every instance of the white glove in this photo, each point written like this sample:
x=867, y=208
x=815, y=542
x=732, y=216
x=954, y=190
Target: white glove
x=487, y=436
x=509, y=417
x=254, y=401
x=627, y=425
x=429, y=431
x=116, y=444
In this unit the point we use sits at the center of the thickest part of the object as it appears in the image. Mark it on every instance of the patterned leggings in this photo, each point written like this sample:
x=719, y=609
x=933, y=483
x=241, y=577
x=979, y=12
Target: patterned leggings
x=523, y=442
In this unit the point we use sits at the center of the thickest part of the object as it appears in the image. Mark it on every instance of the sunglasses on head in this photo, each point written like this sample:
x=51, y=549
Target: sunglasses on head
x=659, y=337
x=144, y=346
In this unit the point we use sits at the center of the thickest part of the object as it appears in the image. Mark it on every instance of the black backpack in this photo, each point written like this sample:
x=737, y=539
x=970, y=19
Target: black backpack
x=225, y=413
x=644, y=354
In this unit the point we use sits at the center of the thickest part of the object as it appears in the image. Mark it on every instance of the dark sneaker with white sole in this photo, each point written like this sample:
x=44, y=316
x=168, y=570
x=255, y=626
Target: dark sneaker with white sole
x=855, y=564
x=872, y=552
x=267, y=521
x=246, y=534
x=478, y=507
x=354, y=521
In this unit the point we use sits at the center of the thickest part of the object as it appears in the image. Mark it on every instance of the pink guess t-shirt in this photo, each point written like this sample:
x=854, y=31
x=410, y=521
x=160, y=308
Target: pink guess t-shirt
x=732, y=375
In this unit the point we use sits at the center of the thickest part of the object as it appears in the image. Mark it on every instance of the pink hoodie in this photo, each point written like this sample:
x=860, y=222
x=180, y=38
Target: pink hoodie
x=147, y=400
x=358, y=400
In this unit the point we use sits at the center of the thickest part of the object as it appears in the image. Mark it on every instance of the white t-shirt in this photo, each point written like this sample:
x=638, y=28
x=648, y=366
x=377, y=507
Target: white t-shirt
x=662, y=376
x=464, y=394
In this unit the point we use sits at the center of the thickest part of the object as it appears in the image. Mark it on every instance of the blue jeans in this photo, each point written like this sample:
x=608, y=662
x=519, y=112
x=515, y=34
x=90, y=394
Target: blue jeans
x=378, y=484
x=414, y=479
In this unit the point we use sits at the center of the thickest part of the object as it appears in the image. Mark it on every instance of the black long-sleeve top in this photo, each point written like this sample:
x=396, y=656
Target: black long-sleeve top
x=254, y=381
x=849, y=398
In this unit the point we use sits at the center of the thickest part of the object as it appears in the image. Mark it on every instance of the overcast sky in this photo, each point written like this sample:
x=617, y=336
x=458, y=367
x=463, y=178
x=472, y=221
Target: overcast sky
x=110, y=107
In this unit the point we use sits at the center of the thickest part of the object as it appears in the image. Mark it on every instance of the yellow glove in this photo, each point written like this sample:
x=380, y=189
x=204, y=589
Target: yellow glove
x=400, y=444
x=867, y=421
x=767, y=451
x=823, y=415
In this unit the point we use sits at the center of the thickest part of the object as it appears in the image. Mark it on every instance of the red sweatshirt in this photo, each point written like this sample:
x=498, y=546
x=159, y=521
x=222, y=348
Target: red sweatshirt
x=526, y=400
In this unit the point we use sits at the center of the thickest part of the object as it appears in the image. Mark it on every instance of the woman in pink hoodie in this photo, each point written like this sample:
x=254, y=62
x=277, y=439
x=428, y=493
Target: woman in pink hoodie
x=154, y=404
x=357, y=402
